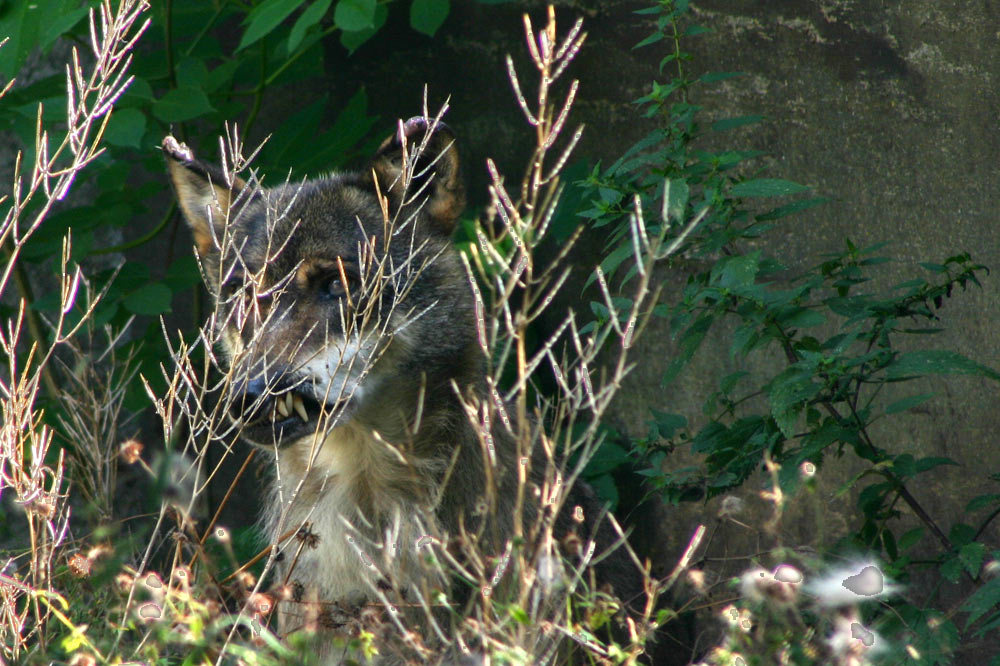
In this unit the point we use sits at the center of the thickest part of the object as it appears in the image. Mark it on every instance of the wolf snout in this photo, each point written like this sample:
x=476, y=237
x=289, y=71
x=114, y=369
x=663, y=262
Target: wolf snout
x=260, y=400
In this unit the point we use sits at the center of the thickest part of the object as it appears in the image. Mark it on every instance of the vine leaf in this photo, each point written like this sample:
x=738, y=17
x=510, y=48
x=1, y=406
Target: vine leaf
x=264, y=18
x=767, y=187
x=937, y=362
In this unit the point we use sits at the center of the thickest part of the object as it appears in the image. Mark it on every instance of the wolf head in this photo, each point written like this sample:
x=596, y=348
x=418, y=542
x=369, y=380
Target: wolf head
x=338, y=298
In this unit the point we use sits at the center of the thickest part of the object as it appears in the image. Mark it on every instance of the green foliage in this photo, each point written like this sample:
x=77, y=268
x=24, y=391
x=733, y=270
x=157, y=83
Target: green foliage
x=190, y=79
x=837, y=345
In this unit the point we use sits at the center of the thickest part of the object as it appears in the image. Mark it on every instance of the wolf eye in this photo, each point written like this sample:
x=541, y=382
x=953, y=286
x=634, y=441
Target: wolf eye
x=339, y=281
x=231, y=288
x=336, y=287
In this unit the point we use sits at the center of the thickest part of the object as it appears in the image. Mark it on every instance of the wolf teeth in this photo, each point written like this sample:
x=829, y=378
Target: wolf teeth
x=283, y=405
x=300, y=408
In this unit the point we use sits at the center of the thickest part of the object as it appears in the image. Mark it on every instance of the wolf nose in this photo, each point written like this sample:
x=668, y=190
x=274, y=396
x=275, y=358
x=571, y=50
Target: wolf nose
x=252, y=400
x=255, y=388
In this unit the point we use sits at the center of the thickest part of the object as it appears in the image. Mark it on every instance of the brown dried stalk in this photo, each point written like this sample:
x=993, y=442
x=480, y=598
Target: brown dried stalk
x=24, y=440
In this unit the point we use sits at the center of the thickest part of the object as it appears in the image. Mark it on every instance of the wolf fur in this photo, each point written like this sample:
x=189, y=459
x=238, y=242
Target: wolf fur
x=367, y=329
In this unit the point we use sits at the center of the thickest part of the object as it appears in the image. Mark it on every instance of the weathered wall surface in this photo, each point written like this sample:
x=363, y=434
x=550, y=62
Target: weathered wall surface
x=888, y=109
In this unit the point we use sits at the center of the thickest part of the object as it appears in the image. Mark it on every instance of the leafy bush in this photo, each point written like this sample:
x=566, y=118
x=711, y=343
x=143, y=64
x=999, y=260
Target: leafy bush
x=834, y=347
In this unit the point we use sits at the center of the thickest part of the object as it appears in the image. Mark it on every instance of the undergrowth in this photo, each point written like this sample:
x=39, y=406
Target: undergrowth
x=83, y=583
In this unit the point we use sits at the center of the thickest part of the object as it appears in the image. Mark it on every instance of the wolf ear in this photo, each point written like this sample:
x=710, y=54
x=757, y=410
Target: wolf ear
x=435, y=174
x=202, y=193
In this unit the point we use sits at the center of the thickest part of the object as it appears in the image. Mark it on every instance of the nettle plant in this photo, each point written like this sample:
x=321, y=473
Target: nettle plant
x=839, y=342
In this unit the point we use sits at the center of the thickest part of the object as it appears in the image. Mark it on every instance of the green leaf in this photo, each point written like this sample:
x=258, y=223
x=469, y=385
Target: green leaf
x=930, y=462
x=313, y=14
x=181, y=104
x=20, y=23
x=971, y=555
x=733, y=272
x=667, y=424
x=604, y=486
x=293, y=138
x=690, y=341
x=56, y=26
x=139, y=93
x=937, y=362
x=191, y=73
x=982, y=601
x=607, y=458
x=693, y=30
x=908, y=403
x=426, y=16
x=125, y=128
x=889, y=543
x=183, y=273
x=354, y=15
x=352, y=40
x=982, y=501
x=150, y=299
x=733, y=123
x=766, y=187
x=712, y=77
x=519, y=615
x=351, y=126
x=612, y=261
x=675, y=199
x=652, y=39
x=786, y=394
x=802, y=318
x=264, y=18
x=951, y=570
x=961, y=534
x=911, y=538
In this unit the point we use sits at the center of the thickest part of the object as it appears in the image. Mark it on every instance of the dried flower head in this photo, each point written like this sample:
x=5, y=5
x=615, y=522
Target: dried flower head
x=282, y=592
x=124, y=582
x=80, y=565
x=731, y=506
x=739, y=618
x=41, y=504
x=247, y=579
x=131, y=451
x=83, y=659
x=759, y=585
x=697, y=579
x=261, y=603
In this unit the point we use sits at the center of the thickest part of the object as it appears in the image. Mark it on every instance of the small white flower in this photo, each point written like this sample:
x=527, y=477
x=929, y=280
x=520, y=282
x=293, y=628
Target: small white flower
x=781, y=586
x=850, y=584
x=851, y=642
x=731, y=506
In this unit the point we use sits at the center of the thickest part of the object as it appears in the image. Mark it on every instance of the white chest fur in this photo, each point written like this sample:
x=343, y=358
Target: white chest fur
x=358, y=528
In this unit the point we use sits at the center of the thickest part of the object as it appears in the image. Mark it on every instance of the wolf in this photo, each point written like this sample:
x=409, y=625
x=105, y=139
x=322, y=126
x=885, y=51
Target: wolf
x=347, y=323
